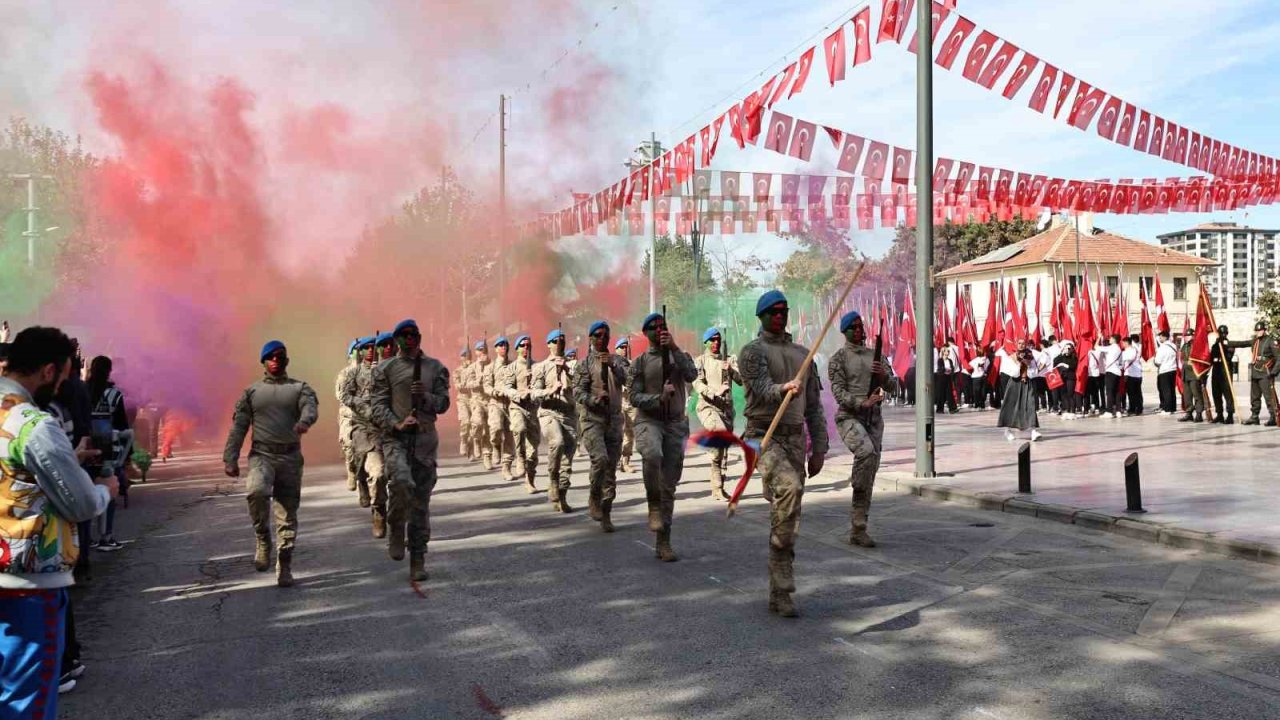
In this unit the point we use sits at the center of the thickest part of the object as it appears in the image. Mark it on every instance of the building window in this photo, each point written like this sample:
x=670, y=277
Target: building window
x=1074, y=283
x=966, y=291
x=1022, y=288
x=1241, y=236
x=1113, y=285
x=1179, y=288
x=1148, y=285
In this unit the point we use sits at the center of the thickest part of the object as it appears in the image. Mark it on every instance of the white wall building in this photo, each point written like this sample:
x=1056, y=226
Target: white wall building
x=1123, y=262
x=1247, y=260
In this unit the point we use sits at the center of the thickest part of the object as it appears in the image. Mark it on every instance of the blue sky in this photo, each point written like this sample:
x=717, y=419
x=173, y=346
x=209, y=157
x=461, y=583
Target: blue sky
x=673, y=66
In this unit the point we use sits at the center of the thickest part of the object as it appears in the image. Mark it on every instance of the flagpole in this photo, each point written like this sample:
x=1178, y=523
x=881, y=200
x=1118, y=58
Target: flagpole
x=1222, y=354
x=924, y=241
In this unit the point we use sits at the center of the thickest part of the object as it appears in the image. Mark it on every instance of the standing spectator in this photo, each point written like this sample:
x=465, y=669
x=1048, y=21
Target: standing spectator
x=108, y=412
x=1111, y=373
x=1044, y=361
x=1018, y=409
x=1065, y=397
x=43, y=493
x=4, y=332
x=943, y=373
x=1131, y=359
x=1166, y=362
x=978, y=379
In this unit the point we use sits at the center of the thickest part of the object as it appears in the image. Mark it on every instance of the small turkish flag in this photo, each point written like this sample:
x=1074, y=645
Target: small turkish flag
x=973, y=64
x=834, y=51
x=760, y=183
x=901, y=165
x=1157, y=137
x=1142, y=134
x=779, y=133
x=997, y=65
x=876, y=158
x=850, y=153
x=951, y=46
x=802, y=73
x=1021, y=74
x=1109, y=118
x=940, y=13
x=1044, y=86
x=1088, y=100
x=1067, y=81
x=787, y=75
x=861, y=37
x=802, y=140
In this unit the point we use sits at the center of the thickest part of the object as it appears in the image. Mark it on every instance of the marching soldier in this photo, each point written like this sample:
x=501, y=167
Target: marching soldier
x=344, y=413
x=1192, y=384
x=859, y=382
x=280, y=410
x=1220, y=373
x=553, y=393
x=480, y=446
x=597, y=388
x=367, y=440
x=714, y=385
x=1262, y=376
x=499, y=422
x=386, y=345
x=464, y=405
x=409, y=392
x=516, y=385
x=622, y=349
x=770, y=364
x=657, y=383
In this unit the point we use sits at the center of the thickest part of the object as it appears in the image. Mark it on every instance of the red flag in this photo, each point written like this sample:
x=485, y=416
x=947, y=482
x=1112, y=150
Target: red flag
x=833, y=50
x=1162, y=316
x=997, y=65
x=1021, y=74
x=779, y=135
x=1200, y=343
x=940, y=13
x=901, y=166
x=990, y=326
x=1148, y=336
x=787, y=75
x=802, y=140
x=850, y=153
x=877, y=155
x=978, y=54
x=1084, y=330
x=1044, y=86
x=955, y=40
x=1010, y=318
x=836, y=135
x=861, y=37
x=802, y=74
x=1055, y=321
x=1036, y=335
x=1110, y=117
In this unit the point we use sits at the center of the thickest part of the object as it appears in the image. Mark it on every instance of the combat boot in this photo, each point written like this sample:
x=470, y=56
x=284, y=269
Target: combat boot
x=717, y=493
x=488, y=462
x=262, y=555
x=606, y=524
x=663, y=551
x=1189, y=417
x=553, y=495
x=593, y=507
x=858, y=531
x=528, y=481
x=655, y=520
x=564, y=501
x=379, y=523
x=781, y=604
x=1252, y=420
x=351, y=481
x=1269, y=423
x=417, y=567
x=395, y=540
x=626, y=465
x=365, y=500
x=284, y=570
x=1199, y=417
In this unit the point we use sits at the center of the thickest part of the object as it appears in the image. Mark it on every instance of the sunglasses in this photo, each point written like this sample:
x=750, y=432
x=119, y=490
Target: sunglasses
x=776, y=311
x=600, y=334
x=409, y=334
x=278, y=355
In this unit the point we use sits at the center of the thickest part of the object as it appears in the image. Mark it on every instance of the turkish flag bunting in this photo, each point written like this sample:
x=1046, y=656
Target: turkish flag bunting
x=729, y=187
x=1021, y=74
x=850, y=153
x=901, y=165
x=941, y=173
x=997, y=65
x=779, y=135
x=1044, y=86
x=951, y=46
x=802, y=73
x=1143, y=131
x=802, y=140
x=890, y=17
x=1110, y=117
x=1156, y=147
x=862, y=37
x=1088, y=101
x=836, y=135
x=1066, y=83
x=877, y=154
x=834, y=51
x=977, y=58
x=940, y=13
x=1125, y=130
x=760, y=183
x=787, y=75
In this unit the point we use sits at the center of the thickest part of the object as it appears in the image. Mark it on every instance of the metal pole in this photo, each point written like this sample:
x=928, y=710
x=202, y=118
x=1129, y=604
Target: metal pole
x=1077, y=219
x=502, y=207
x=653, y=229
x=924, y=241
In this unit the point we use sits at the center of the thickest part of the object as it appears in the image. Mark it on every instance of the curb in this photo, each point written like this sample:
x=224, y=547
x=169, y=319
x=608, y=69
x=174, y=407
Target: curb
x=1126, y=525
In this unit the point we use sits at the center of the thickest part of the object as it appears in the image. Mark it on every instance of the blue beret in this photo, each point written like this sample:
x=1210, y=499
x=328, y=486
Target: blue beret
x=352, y=347
x=555, y=335
x=502, y=340
x=384, y=338
x=622, y=342
x=768, y=300
x=649, y=320
x=571, y=352
x=846, y=320
x=464, y=352
x=710, y=333
x=521, y=338
x=364, y=342
x=481, y=346
x=405, y=325
x=596, y=326
x=269, y=348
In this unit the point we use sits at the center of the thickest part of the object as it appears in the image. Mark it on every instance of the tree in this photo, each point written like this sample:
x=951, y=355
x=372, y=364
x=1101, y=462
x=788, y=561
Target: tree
x=822, y=263
x=952, y=244
x=675, y=279
x=1269, y=308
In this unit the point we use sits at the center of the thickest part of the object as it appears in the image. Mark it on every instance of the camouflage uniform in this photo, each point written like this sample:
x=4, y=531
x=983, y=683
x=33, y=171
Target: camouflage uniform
x=715, y=407
x=499, y=423
x=464, y=409
x=344, y=420
x=366, y=443
x=557, y=416
x=628, y=416
x=479, y=411
x=410, y=455
x=272, y=407
x=862, y=429
x=516, y=385
x=601, y=433
x=767, y=363
x=662, y=429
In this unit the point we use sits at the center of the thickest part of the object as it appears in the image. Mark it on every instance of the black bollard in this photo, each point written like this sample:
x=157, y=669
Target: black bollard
x=1024, y=468
x=1132, y=485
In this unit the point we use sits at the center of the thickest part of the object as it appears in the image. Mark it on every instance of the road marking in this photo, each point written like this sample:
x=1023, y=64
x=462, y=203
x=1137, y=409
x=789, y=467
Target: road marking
x=1172, y=595
x=983, y=551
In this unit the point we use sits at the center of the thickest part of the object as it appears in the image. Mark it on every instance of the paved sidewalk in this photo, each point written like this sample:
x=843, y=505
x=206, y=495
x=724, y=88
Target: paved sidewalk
x=1208, y=478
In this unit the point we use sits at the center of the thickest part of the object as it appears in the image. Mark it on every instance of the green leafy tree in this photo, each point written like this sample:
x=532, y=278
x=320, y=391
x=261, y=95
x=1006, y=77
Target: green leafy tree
x=1269, y=309
x=675, y=274
x=822, y=262
x=953, y=243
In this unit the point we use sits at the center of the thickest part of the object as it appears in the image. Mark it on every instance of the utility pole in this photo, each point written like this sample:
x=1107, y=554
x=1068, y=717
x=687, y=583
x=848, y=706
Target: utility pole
x=31, y=208
x=924, y=241
x=653, y=224
x=502, y=207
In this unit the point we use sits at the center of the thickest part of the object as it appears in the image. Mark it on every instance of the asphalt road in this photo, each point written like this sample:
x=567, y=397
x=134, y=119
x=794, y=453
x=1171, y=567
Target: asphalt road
x=529, y=614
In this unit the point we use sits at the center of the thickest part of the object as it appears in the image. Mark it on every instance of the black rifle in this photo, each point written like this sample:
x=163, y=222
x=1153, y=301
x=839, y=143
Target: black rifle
x=877, y=356
x=666, y=368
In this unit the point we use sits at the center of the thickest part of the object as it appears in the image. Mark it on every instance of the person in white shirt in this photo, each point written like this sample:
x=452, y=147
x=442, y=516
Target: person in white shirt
x=4, y=332
x=1018, y=408
x=1166, y=362
x=1040, y=387
x=1111, y=372
x=1093, y=390
x=944, y=373
x=1052, y=349
x=1131, y=366
x=978, y=381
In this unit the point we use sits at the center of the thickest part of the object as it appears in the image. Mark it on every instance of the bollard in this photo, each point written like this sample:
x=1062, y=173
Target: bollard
x=1024, y=468
x=1132, y=485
